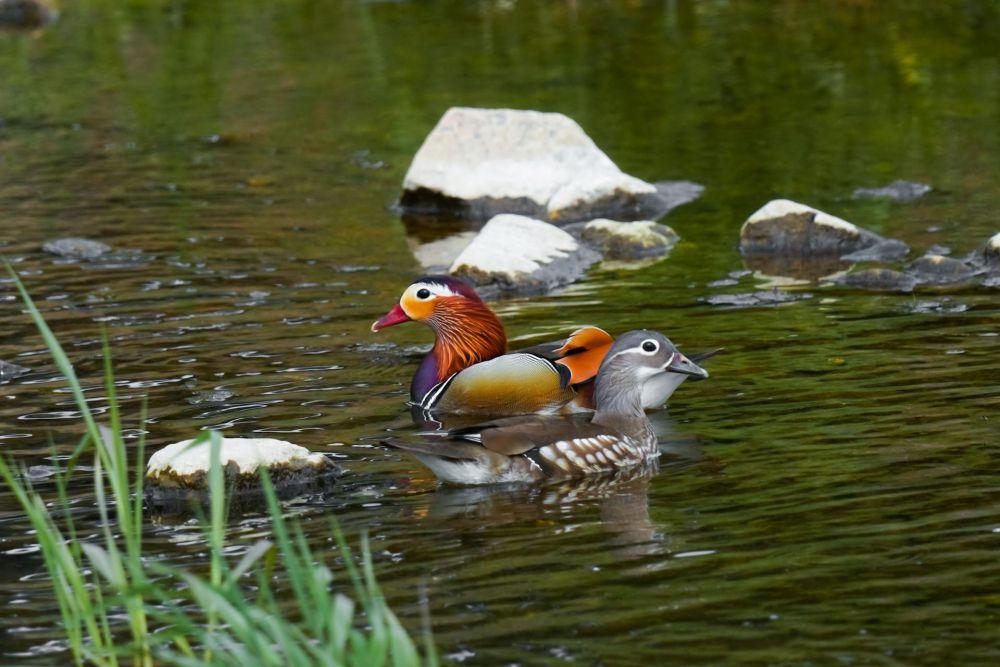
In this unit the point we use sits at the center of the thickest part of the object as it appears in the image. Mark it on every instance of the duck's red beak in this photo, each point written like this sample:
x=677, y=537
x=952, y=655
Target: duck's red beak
x=394, y=316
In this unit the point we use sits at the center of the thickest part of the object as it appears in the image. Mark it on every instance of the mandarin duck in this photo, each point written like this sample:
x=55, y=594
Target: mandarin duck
x=536, y=448
x=469, y=370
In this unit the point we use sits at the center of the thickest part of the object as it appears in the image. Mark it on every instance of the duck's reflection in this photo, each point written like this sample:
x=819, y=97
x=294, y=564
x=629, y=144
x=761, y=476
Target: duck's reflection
x=622, y=498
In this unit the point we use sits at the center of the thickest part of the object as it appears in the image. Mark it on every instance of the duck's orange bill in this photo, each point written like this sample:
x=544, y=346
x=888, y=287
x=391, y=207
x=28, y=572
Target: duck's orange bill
x=394, y=316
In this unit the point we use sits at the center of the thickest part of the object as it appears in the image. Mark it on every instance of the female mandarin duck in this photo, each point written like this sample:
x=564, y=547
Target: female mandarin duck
x=469, y=370
x=536, y=448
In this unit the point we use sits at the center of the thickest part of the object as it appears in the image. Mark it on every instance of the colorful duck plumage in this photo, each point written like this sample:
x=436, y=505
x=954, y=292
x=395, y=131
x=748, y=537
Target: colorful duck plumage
x=534, y=448
x=469, y=371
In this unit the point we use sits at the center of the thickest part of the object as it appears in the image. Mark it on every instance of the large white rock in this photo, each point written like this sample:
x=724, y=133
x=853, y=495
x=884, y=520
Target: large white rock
x=481, y=162
x=179, y=471
x=517, y=253
x=783, y=226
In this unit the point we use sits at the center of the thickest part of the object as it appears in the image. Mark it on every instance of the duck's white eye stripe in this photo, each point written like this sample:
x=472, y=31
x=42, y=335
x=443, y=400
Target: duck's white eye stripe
x=436, y=288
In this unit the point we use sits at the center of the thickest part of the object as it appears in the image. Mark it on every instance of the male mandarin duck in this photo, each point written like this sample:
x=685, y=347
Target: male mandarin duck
x=469, y=371
x=533, y=448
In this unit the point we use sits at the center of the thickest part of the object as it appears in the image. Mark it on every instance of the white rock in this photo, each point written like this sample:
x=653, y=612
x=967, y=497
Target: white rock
x=992, y=249
x=248, y=454
x=505, y=160
x=518, y=253
x=785, y=227
x=779, y=208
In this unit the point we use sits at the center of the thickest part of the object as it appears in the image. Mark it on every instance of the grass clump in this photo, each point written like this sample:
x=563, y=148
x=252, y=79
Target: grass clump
x=232, y=616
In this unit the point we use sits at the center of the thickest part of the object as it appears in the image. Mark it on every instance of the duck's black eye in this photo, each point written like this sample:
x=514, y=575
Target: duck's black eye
x=423, y=293
x=650, y=346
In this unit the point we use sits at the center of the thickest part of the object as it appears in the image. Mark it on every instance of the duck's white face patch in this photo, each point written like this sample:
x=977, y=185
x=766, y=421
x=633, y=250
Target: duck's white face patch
x=425, y=291
x=418, y=299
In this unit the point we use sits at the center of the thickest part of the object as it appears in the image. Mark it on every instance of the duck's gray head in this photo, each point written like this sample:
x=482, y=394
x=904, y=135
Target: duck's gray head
x=636, y=357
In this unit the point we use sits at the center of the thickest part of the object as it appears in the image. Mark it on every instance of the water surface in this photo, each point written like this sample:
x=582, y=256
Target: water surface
x=830, y=495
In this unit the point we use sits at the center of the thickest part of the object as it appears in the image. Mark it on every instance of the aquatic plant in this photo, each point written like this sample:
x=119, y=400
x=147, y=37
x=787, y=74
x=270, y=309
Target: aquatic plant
x=175, y=616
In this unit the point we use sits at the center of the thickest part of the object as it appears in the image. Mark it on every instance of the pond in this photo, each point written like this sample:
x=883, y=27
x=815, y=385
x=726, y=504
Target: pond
x=829, y=495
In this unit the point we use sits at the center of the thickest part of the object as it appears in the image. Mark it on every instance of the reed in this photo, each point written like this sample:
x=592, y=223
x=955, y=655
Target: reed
x=232, y=616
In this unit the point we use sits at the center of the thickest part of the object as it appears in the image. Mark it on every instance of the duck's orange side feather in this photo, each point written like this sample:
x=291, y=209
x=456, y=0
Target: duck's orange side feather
x=583, y=352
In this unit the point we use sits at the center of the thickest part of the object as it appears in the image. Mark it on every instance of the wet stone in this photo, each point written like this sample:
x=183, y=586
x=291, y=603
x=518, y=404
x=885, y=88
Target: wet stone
x=76, y=248
x=878, y=280
x=941, y=270
x=944, y=306
x=900, y=191
x=771, y=297
x=9, y=371
x=626, y=240
x=887, y=250
x=213, y=396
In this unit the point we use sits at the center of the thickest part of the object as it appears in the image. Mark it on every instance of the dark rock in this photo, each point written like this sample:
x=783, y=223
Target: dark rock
x=941, y=270
x=901, y=191
x=9, y=371
x=771, y=297
x=878, y=279
x=74, y=248
x=944, y=306
x=887, y=250
x=26, y=14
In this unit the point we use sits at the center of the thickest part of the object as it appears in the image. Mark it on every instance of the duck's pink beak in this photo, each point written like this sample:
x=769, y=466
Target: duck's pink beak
x=394, y=316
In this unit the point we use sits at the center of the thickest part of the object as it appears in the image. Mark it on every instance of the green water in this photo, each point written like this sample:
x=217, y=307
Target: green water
x=829, y=496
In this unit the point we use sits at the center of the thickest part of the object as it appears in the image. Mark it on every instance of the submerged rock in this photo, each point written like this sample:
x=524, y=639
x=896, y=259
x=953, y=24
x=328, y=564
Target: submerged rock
x=74, y=248
x=515, y=253
x=879, y=280
x=219, y=395
x=772, y=297
x=478, y=163
x=9, y=371
x=785, y=227
x=941, y=270
x=626, y=240
x=887, y=250
x=178, y=473
x=901, y=191
x=26, y=14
